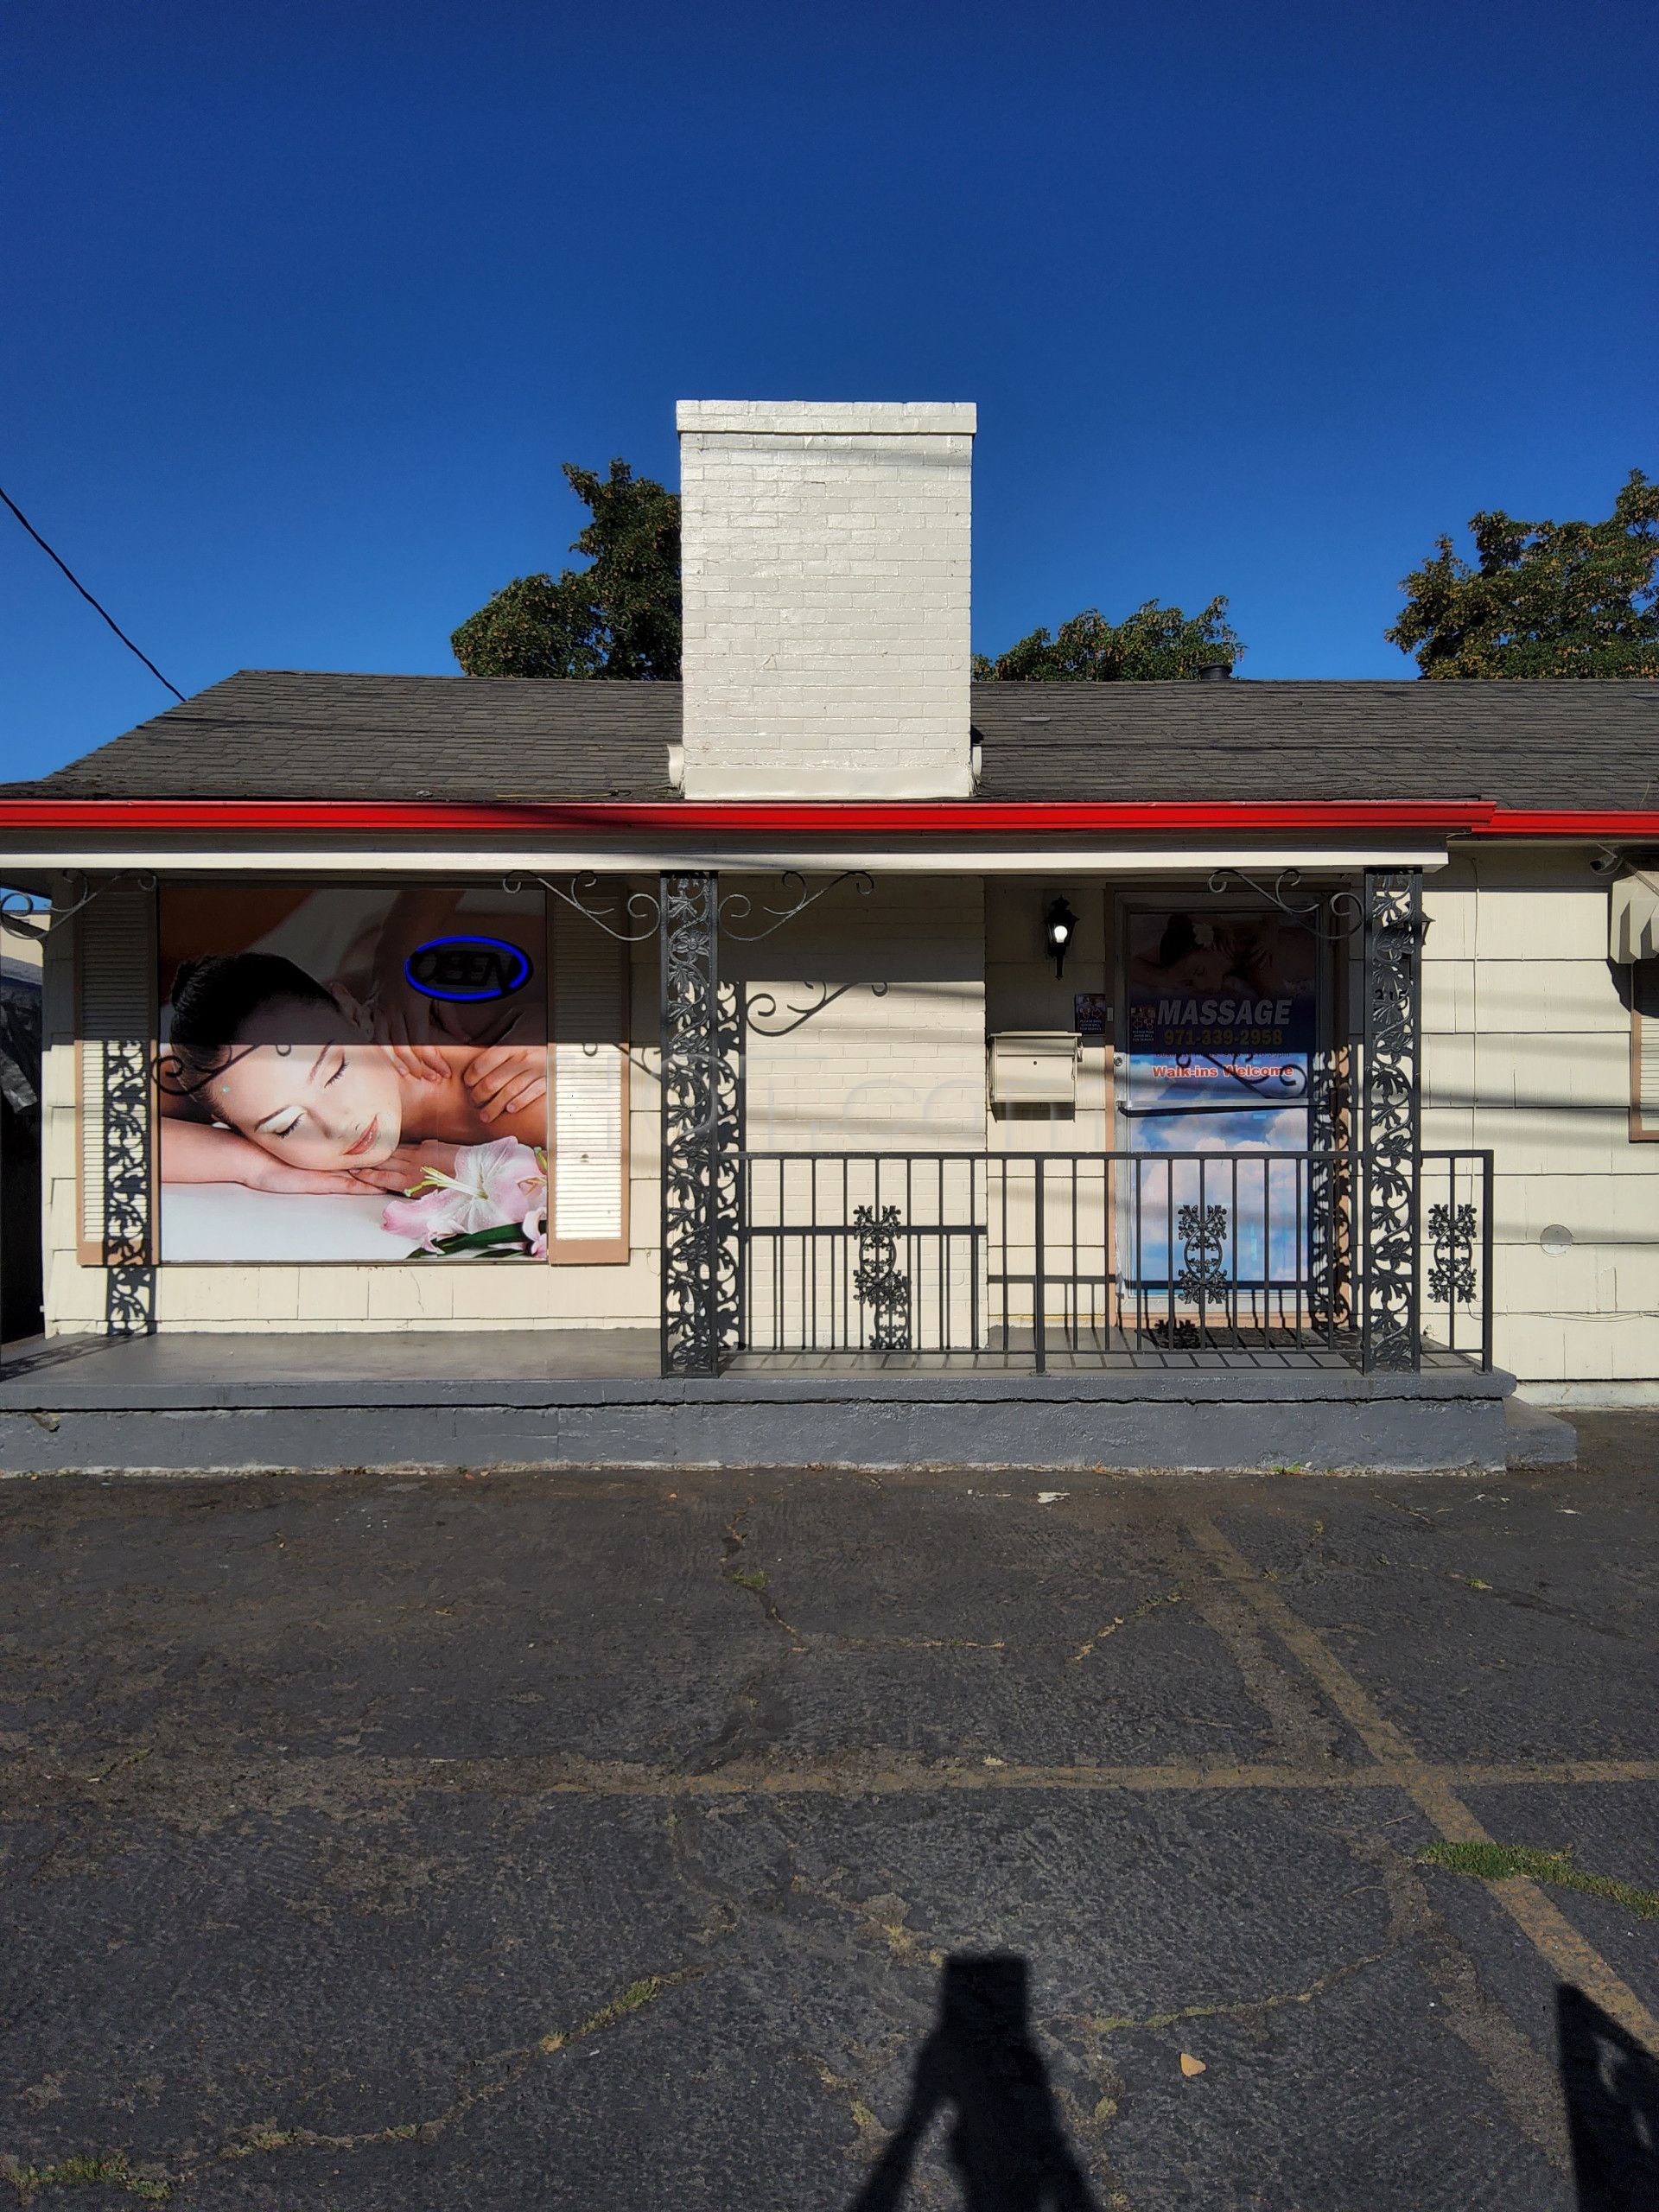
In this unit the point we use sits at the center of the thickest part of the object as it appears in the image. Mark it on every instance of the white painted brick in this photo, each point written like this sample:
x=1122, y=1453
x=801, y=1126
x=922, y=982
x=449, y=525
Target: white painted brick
x=825, y=568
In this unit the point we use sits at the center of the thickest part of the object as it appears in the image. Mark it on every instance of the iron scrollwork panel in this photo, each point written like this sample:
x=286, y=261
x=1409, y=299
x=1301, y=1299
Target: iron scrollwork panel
x=120, y=945
x=1203, y=1232
x=1331, y=1199
x=1453, y=1236
x=1394, y=936
x=130, y=1276
x=879, y=1284
x=701, y=1160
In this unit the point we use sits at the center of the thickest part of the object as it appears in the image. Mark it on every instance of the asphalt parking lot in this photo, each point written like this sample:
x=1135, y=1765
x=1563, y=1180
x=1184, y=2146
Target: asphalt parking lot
x=822, y=1842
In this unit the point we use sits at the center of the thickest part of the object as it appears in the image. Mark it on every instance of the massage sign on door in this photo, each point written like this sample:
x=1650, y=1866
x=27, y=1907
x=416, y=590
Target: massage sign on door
x=353, y=1072
x=1221, y=1011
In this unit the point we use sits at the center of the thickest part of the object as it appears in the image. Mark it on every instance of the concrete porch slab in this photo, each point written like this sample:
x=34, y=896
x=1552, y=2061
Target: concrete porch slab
x=591, y=1398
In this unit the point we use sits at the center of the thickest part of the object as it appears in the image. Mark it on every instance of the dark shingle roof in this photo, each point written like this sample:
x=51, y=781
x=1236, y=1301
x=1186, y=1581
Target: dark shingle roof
x=297, y=736
x=1568, y=743
x=281, y=733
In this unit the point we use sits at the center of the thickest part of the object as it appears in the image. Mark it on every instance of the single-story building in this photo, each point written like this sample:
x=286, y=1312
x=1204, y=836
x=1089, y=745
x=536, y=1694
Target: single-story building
x=832, y=1057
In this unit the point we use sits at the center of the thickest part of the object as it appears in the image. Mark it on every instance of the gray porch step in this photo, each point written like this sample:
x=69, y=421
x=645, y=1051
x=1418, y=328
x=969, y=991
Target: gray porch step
x=578, y=1398
x=1537, y=1438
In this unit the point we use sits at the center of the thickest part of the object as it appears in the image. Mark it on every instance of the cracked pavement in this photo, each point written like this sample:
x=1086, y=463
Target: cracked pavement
x=412, y=1841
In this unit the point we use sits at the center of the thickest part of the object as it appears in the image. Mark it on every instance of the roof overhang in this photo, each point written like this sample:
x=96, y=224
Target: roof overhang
x=197, y=837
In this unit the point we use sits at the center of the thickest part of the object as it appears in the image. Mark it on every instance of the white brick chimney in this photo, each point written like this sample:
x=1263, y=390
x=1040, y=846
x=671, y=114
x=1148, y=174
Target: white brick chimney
x=825, y=559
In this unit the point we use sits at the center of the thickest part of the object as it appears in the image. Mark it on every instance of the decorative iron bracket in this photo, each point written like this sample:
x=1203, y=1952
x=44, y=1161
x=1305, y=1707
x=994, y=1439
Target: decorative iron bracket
x=742, y=906
x=646, y=907
x=641, y=906
x=17, y=915
x=762, y=1008
x=1334, y=919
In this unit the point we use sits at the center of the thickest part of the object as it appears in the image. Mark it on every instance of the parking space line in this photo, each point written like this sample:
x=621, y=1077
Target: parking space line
x=1428, y=1785
x=147, y=1777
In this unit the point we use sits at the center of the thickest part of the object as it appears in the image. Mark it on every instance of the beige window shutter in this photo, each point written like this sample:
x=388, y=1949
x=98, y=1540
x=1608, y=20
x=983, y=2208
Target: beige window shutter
x=1633, y=918
x=1644, y=1049
x=115, y=1028
x=588, y=1157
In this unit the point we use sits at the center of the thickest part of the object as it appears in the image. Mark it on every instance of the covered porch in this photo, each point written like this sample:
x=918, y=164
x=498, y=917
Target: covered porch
x=1274, y=1207
x=1008, y=1296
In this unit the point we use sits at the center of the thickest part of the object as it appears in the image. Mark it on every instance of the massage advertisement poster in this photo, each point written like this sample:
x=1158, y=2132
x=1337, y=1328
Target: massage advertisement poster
x=356, y=1072
x=1221, y=1017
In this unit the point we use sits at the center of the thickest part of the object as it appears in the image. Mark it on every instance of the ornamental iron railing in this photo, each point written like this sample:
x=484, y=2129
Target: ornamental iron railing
x=1087, y=1258
x=1454, y=1256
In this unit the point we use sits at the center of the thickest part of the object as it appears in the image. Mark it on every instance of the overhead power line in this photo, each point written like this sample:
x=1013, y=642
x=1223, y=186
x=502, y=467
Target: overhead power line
x=87, y=596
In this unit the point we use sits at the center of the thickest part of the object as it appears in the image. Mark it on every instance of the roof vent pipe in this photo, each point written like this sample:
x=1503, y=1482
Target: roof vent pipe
x=1216, y=671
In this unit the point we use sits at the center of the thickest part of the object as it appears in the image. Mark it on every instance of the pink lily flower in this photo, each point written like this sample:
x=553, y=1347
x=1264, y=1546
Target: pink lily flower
x=493, y=1184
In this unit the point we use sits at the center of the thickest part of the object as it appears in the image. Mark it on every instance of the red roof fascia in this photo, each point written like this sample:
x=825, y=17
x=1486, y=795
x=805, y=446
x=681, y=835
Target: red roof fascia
x=975, y=819
x=1569, y=822
x=686, y=819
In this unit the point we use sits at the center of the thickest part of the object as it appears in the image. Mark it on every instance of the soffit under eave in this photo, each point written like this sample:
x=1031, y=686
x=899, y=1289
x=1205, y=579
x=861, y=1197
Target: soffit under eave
x=1074, y=857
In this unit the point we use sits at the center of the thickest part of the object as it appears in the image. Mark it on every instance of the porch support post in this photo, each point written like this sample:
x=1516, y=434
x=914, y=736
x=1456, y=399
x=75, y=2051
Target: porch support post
x=1391, y=1118
x=116, y=985
x=700, y=1169
x=128, y=1230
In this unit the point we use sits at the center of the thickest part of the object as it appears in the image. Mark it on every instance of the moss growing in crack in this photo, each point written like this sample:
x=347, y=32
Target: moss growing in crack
x=116, y=2171
x=1240, y=2008
x=749, y=1578
x=1501, y=1862
x=637, y=1994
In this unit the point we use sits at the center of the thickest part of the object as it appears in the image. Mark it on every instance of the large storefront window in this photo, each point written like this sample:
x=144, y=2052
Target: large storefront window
x=1221, y=1018
x=353, y=1072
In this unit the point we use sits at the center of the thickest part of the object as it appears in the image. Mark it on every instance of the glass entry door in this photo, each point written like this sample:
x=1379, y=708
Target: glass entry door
x=1218, y=1035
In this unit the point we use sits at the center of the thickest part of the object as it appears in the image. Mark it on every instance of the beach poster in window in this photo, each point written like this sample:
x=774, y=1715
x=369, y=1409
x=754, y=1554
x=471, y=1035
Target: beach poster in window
x=1221, y=1024
x=352, y=1072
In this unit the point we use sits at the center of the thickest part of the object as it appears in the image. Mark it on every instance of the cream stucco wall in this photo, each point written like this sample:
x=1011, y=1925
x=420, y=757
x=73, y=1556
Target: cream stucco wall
x=1527, y=1054
x=1023, y=992
x=902, y=1070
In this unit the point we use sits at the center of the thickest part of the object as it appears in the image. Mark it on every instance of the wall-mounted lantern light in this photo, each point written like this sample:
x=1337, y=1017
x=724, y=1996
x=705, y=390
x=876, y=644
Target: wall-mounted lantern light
x=1059, y=927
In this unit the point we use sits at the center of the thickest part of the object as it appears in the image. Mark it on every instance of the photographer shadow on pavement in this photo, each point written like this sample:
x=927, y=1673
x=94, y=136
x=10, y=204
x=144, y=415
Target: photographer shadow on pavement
x=1005, y=2140
x=1611, y=2088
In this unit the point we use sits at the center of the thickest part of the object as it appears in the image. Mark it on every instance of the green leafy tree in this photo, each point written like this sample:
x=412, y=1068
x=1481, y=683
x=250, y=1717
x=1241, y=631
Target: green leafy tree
x=1543, y=598
x=619, y=616
x=1155, y=644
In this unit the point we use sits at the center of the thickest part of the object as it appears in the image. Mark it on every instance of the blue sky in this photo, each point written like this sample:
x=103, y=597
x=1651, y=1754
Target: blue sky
x=306, y=304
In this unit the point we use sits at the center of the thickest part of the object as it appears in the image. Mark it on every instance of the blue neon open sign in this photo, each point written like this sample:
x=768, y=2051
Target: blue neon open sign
x=465, y=969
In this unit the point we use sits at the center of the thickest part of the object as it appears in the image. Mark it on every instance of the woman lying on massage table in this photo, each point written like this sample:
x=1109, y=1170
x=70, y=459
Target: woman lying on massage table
x=272, y=1080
